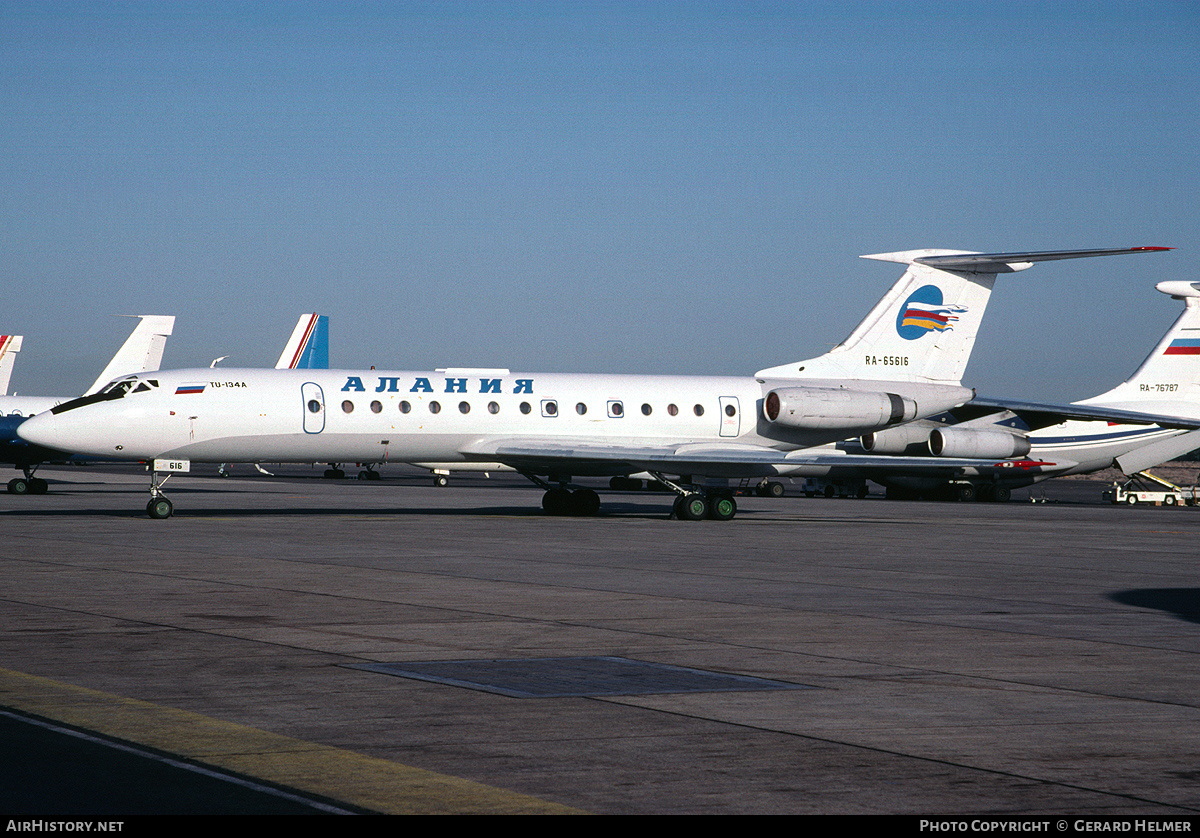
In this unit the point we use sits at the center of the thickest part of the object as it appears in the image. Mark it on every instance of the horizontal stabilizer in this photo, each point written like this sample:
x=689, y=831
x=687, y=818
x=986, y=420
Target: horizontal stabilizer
x=996, y=263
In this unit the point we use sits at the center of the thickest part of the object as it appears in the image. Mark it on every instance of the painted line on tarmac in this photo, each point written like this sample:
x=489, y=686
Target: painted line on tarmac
x=365, y=782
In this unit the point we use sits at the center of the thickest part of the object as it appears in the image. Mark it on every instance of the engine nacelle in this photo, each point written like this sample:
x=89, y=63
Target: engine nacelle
x=962, y=442
x=901, y=440
x=819, y=408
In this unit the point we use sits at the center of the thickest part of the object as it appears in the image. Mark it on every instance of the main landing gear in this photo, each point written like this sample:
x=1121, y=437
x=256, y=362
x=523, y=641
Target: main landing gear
x=694, y=504
x=28, y=485
x=563, y=500
x=691, y=504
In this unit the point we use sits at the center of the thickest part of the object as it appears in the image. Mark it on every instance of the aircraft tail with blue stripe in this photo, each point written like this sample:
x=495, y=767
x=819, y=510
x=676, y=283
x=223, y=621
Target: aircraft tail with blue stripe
x=308, y=347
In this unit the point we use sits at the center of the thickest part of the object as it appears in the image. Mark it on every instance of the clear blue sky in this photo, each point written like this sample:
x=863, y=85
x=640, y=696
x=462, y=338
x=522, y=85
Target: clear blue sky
x=626, y=187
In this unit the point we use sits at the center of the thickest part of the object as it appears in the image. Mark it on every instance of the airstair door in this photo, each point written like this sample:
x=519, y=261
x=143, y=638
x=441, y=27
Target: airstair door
x=314, y=407
x=731, y=416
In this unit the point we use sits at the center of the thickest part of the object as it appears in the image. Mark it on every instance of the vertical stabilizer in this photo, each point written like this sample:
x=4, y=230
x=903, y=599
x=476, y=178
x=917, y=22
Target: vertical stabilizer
x=308, y=347
x=1168, y=381
x=10, y=345
x=924, y=328
x=142, y=350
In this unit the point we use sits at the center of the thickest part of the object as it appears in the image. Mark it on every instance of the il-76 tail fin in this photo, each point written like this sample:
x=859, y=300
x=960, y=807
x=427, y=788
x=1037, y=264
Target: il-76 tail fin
x=924, y=328
x=142, y=350
x=10, y=345
x=308, y=347
x=1168, y=381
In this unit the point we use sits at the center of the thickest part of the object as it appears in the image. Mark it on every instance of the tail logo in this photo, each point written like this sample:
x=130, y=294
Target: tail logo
x=924, y=312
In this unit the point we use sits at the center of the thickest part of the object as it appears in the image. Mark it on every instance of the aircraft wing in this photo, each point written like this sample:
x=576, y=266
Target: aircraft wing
x=585, y=457
x=1037, y=415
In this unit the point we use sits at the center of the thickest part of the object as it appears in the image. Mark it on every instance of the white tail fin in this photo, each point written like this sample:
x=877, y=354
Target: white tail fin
x=924, y=328
x=308, y=347
x=142, y=350
x=1168, y=381
x=10, y=345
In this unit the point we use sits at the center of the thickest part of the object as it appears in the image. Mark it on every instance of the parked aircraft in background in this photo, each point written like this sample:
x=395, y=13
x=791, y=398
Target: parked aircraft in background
x=904, y=362
x=1166, y=383
x=142, y=351
x=308, y=347
x=10, y=345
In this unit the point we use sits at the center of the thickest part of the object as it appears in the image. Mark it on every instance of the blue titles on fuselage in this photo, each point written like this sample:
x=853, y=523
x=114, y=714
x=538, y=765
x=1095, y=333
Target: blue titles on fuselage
x=421, y=384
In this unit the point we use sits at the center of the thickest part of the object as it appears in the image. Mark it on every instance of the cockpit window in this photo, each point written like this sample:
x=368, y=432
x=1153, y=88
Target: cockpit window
x=116, y=390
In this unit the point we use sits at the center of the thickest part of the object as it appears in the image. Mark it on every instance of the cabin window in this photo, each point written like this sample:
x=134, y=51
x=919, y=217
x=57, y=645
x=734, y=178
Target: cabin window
x=525, y=408
x=493, y=408
x=730, y=410
x=314, y=406
x=464, y=407
x=347, y=406
x=376, y=407
x=673, y=410
x=616, y=410
x=405, y=407
x=581, y=408
x=647, y=410
x=549, y=407
x=698, y=410
x=435, y=407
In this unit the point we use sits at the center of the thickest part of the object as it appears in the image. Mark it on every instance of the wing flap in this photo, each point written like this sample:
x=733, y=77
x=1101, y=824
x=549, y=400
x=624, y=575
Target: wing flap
x=1038, y=415
x=589, y=458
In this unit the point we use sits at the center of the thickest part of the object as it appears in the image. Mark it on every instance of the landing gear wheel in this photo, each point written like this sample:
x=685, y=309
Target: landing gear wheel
x=775, y=489
x=1001, y=494
x=159, y=508
x=861, y=492
x=965, y=492
x=38, y=486
x=556, y=501
x=830, y=491
x=722, y=508
x=18, y=486
x=441, y=481
x=584, y=502
x=694, y=507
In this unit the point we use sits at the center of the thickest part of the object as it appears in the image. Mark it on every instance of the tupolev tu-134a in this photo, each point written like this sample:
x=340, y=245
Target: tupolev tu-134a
x=903, y=362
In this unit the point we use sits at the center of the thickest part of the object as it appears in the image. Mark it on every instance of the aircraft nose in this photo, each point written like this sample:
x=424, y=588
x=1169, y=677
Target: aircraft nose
x=45, y=430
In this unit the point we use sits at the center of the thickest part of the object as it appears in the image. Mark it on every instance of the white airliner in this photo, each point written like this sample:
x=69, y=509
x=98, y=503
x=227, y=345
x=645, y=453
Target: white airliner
x=902, y=363
x=1166, y=383
x=142, y=351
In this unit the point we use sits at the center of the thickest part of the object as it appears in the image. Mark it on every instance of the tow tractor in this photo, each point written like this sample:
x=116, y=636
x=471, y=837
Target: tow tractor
x=1148, y=488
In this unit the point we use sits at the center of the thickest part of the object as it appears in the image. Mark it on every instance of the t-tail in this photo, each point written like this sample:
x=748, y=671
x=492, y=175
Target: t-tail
x=308, y=347
x=924, y=328
x=142, y=350
x=10, y=345
x=1168, y=381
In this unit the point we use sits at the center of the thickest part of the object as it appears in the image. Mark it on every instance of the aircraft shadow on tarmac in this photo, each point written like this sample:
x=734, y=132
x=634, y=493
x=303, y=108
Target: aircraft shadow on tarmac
x=1183, y=603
